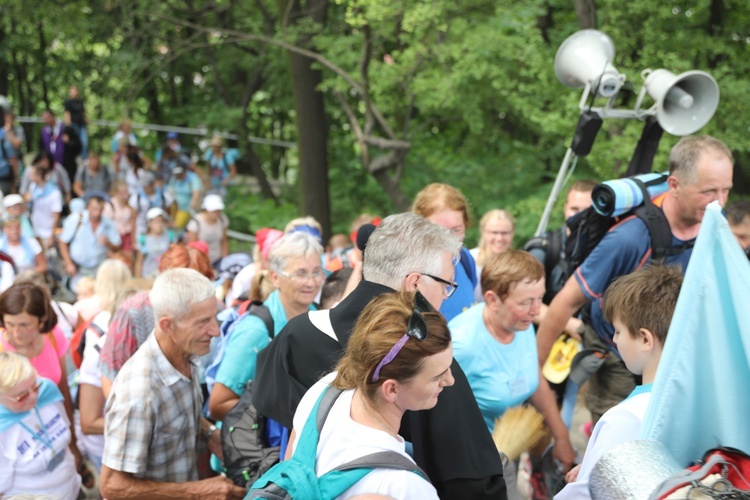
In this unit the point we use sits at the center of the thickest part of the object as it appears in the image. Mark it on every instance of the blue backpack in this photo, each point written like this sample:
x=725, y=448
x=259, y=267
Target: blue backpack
x=296, y=477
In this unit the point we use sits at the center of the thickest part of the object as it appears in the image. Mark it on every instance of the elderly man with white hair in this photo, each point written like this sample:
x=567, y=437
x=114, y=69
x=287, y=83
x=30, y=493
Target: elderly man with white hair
x=153, y=423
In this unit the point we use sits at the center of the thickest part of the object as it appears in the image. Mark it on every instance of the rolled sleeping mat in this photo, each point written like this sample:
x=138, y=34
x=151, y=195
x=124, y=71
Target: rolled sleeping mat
x=632, y=471
x=614, y=198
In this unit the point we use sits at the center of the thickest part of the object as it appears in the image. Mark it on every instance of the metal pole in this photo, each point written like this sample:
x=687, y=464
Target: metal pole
x=559, y=182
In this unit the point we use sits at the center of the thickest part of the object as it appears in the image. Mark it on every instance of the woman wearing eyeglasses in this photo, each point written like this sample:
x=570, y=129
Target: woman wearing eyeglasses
x=35, y=435
x=495, y=344
x=397, y=359
x=296, y=272
x=28, y=326
x=446, y=206
x=496, y=230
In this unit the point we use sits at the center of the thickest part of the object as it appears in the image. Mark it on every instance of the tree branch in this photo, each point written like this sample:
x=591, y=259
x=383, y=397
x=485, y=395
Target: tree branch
x=235, y=35
x=355, y=126
x=382, y=143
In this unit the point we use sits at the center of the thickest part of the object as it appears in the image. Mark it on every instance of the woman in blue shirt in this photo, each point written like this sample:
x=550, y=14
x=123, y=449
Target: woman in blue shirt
x=297, y=274
x=495, y=344
x=445, y=206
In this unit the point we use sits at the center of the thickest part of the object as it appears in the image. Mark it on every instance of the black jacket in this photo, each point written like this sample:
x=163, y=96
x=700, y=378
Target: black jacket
x=451, y=441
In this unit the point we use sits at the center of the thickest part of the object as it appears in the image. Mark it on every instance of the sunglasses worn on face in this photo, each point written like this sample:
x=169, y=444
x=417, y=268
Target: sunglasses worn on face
x=416, y=328
x=22, y=397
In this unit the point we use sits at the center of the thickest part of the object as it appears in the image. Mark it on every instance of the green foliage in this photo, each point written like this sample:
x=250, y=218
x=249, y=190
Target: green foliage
x=248, y=213
x=469, y=84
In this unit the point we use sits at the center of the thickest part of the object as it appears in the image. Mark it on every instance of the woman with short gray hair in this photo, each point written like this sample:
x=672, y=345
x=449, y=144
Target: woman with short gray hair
x=297, y=273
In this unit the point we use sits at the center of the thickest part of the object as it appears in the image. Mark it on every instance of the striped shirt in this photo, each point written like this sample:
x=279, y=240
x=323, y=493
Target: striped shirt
x=153, y=418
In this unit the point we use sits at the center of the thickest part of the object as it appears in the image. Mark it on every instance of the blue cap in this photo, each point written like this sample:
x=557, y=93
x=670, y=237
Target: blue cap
x=88, y=195
x=172, y=135
x=305, y=228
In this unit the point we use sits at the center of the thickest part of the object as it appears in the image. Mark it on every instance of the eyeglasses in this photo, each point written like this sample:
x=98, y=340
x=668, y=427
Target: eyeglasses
x=416, y=328
x=450, y=286
x=22, y=397
x=302, y=276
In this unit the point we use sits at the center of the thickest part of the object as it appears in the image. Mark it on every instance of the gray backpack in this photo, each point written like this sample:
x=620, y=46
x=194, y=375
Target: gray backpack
x=247, y=455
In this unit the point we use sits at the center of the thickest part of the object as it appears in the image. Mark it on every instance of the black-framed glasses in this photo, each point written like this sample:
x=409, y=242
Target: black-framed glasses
x=22, y=397
x=416, y=328
x=450, y=286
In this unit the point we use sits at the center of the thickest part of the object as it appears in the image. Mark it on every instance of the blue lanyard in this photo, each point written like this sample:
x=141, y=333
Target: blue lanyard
x=36, y=436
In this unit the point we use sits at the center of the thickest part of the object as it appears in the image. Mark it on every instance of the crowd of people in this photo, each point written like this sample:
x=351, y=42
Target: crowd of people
x=414, y=344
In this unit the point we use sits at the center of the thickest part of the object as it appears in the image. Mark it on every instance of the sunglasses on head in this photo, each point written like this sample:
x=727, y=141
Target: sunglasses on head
x=416, y=328
x=26, y=394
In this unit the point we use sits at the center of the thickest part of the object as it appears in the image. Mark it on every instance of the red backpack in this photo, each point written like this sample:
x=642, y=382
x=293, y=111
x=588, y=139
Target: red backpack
x=722, y=473
x=78, y=342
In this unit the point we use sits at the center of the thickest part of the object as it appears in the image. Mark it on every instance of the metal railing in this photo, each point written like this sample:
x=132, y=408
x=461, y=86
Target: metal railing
x=201, y=131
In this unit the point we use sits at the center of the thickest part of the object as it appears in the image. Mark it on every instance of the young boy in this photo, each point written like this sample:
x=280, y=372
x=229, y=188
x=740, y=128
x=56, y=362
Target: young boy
x=640, y=306
x=47, y=203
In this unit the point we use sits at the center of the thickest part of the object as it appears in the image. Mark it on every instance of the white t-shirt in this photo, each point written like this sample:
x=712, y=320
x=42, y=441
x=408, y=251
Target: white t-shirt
x=67, y=317
x=90, y=374
x=619, y=424
x=342, y=440
x=7, y=275
x=23, y=460
x=22, y=259
x=41, y=216
x=212, y=234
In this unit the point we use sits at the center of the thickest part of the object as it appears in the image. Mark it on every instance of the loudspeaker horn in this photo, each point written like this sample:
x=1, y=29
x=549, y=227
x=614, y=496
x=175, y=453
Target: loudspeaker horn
x=685, y=102
x=586, y=57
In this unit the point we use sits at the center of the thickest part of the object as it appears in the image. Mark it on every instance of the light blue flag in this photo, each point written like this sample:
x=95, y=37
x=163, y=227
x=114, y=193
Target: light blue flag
x=701, y=394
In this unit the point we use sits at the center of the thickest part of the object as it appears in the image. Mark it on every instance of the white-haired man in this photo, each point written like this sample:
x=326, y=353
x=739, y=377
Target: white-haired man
x=153, y=423
x=451, y=442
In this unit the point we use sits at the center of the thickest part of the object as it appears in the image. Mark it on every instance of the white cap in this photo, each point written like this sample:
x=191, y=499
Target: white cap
x=77, y=205
x=213, y=202
x=155, y=212
x=12, y=200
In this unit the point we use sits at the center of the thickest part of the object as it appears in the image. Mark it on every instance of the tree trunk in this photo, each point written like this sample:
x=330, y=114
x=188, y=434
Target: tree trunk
x=312, y=127
x=393, y=190
x=586, y=13
x=43, y=63
x=4, y=63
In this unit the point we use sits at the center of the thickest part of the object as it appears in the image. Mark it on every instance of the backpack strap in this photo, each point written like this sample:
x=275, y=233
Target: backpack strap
x=554, y=251
x=384, y=460
x=52, y=340
x=307, y=444
x=324, y=408
x=658, y=227
x=467, y=262
x=256, y=308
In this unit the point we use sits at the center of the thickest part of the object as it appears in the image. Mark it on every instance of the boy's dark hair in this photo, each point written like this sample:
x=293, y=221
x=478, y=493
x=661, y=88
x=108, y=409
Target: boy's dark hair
x=333, y=287
x=644, y=299
x=737, y=211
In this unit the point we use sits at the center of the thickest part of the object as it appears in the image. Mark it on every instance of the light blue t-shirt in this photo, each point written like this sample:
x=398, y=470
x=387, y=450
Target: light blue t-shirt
x=182, y=190
x=85, y=249
x=237, y=366
x=500, y=375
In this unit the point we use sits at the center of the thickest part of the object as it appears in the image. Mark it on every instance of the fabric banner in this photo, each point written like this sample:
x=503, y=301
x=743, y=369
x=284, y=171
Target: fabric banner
x=701, y=394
